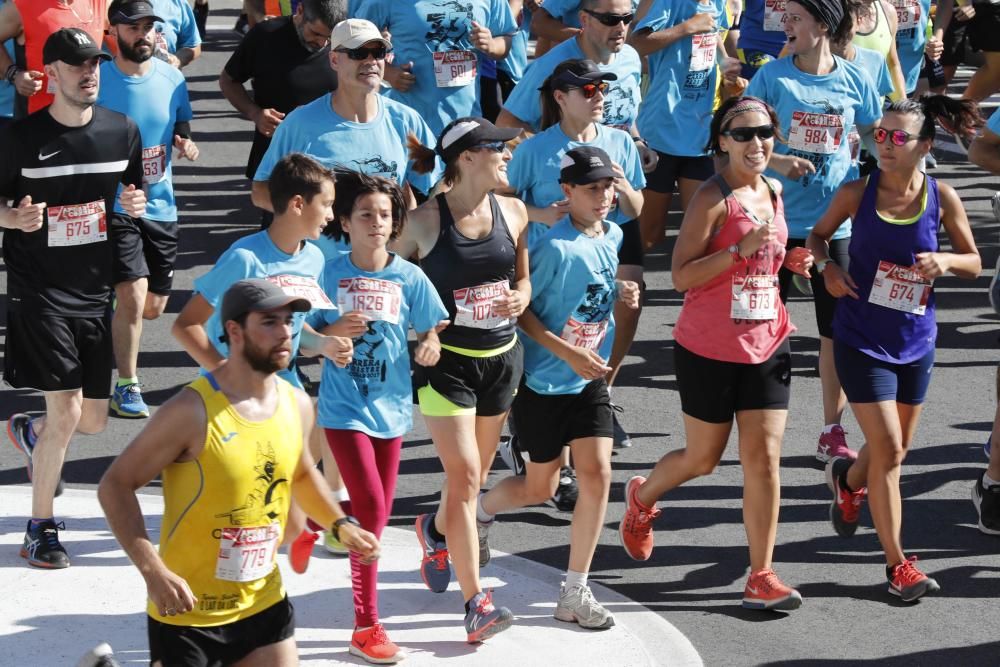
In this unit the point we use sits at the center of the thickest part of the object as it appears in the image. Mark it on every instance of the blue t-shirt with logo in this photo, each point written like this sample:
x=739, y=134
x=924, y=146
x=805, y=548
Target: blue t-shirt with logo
x=331, y=247
x=533, y=171
x=178, y=29
x=817, y=113
x=376, y=148
x=621, y=101
x=373, y=394
x=873, y=64
x=7, y=91
x=256, y=256
x=422, y=28
x=133, y=96
x=573, y=295
x=683, y=77
x=911, y=37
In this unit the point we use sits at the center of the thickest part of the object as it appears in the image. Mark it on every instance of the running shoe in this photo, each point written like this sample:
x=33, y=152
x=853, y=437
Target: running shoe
x=435, y=569
x=834, y=445
x=511, y=455
x=99, y=656
x=987, y=445
x=995, y=287
x=374, y=646
x=19, y=433
x=636, y=528
x=333, y=545
x=995, y=201
x=621, y=438
x=765, y=591
x=802, y=285
x=567, y=492
x=930, y=162
x=909, y=583
x=987, y=502
x=301, y=550
x=483, y=620
x=577, y=605
x=42, y=547
x=846, y=505
x=127, y=402
x=483, y=533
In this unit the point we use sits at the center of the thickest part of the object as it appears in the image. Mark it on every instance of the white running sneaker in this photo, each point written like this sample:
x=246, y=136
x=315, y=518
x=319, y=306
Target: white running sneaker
x=577, y=605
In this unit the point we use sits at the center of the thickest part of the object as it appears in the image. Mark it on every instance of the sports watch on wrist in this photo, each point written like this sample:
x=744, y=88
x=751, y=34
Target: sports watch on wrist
x=820, y=266
x=734, y=250
x=335, y=528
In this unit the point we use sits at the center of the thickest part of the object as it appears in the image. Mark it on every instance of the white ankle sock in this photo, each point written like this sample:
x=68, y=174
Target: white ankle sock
x=988, y=481
x=481, y=515
x=829, y=428
x=575, y=579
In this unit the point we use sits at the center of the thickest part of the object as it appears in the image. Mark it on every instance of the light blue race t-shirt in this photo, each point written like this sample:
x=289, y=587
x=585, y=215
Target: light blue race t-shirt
x=376, y=148
x=817, y=114
x=573, y=294
x=374, y=394
x=517, y=60
x=621, y=101
x=683, y=77
x=533, y=170
x=873, y=64
x=911, y=37
x=331, y=247
x=7, y=90
x=178, y=30
x=133, y=96
x=256, y=256
x=993, y=124
x=422, y=28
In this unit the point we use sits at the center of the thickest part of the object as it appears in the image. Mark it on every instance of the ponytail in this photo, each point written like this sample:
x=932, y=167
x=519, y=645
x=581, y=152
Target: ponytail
x=423, y=157
x=960, y=117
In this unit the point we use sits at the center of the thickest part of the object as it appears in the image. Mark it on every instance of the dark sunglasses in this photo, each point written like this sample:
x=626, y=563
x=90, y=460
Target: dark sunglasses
x=362, y=53
x=897, y=137
x=495, y=146
x=611, y=20
x=745, y=134
x=588, y=90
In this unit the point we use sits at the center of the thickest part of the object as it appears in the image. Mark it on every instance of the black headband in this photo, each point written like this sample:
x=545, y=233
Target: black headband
x=828, y=12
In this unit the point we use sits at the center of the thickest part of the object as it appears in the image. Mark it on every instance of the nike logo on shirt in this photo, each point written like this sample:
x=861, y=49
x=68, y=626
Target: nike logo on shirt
x=42, y=158
x=229, y=436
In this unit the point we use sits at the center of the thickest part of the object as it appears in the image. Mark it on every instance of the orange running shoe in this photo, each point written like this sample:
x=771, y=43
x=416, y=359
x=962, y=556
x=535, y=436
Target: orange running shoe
x=909, y=583
x=301, y=550
x=374, y=646
x=765, y=591
x=636, y=528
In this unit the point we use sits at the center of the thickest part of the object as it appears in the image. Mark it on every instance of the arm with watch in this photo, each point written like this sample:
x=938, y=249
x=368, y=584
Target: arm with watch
x=843, y=205
x=649, y=157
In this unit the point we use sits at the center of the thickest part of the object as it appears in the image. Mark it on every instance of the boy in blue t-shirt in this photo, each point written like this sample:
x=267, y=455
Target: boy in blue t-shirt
x=567, y=333
x=155, y=96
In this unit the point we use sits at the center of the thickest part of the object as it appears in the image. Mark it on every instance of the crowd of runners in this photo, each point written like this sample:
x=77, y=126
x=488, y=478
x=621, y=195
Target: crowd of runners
x=413, y=170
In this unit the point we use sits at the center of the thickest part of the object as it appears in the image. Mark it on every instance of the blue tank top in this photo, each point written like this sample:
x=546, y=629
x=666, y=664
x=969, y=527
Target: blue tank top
x=879, y=331
x=468, y=275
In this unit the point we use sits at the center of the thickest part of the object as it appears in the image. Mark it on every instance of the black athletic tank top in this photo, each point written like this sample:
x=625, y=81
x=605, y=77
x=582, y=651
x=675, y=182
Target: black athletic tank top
x=468, y=275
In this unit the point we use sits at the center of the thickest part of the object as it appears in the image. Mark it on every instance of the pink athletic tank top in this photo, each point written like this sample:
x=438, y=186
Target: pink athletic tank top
x=738, y=316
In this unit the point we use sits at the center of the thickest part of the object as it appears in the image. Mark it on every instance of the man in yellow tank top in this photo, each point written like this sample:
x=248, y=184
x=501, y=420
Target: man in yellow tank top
x=230, y=450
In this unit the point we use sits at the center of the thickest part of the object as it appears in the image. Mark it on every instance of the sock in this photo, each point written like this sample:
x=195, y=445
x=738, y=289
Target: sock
x=468, y=603
x=340, y=495
x=35, y=523
x=989, y=481
x=829, y=428
x=434, y=534
x=122, y=382
x=575, y=579
x=482, y=516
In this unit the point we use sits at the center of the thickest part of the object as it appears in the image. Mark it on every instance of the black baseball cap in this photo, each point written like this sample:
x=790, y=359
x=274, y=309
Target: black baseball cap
x=585, y=164
x=574, y=73
x=131, y=11
x=72, y=46
x=257, y=295
x=464, y=133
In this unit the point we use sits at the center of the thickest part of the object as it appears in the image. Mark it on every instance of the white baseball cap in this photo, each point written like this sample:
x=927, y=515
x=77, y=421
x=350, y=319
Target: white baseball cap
x=353, y=33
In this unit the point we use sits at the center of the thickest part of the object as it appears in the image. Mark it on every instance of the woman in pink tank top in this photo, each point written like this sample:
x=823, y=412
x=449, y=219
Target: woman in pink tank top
x=731, y=352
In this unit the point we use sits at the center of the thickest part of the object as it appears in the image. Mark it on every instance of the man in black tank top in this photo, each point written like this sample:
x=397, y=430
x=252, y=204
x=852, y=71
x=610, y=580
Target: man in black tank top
x=61, y=167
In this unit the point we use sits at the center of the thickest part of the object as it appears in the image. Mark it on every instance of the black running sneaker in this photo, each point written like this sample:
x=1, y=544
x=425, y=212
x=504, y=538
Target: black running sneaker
x=567, y=491
x=201, y=18
x=846, y=506
x=987, y=502
x=42, y=548
x=19, y=433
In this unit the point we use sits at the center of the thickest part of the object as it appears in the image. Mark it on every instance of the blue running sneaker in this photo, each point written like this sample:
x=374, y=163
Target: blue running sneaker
x=484, y=620
x=435, y=569
x=19, y=433
x=42, y=548
x=127, y=402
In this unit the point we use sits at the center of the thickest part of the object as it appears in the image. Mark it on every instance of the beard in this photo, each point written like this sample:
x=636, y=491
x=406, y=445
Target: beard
x=300, y=32
x=261, y=360
x=132, y=52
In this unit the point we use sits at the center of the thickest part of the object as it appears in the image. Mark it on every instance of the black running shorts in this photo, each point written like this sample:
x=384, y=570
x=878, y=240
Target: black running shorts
x=144, y=249
x=184, y=646
x=825, y=305
x=546, y=423
x=631, y=254
x=714, y=391
x=487, y=384
x=672, y=168
x=55, y=353
x=984, y=28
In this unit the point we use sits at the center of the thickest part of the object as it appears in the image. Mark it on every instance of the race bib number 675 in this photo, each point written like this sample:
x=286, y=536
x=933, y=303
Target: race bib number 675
x=77, y=224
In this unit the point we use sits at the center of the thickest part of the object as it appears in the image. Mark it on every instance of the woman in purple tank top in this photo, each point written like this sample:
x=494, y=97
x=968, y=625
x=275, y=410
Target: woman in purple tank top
x=884, y=326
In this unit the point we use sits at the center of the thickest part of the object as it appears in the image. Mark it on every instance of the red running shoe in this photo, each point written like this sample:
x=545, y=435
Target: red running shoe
x=833, y=445
x=846, y=506
x=374, y=646
x=636, y=528
x=909, y=583
x=765, y=591
x=301, y=550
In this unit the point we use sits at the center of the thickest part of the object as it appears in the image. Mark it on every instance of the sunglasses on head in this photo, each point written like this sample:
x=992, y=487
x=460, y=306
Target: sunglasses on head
x=745, y=134
x=611, y=20
x=495, y=146
x=897, y=137
x=588, y=90
x=363, y=52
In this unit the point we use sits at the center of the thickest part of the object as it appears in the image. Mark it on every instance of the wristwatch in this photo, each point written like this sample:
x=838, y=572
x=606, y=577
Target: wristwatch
x=734, y=250
x=335, y=528
x=820, y=266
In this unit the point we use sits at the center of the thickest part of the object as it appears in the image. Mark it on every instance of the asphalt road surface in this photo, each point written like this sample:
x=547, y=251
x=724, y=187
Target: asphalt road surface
x=696, y=575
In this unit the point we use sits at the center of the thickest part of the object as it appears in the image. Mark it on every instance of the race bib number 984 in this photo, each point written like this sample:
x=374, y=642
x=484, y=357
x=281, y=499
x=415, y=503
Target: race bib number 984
x=816, y=132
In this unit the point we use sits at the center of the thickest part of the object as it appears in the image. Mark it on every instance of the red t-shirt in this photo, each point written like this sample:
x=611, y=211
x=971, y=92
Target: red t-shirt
x=41, y=18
